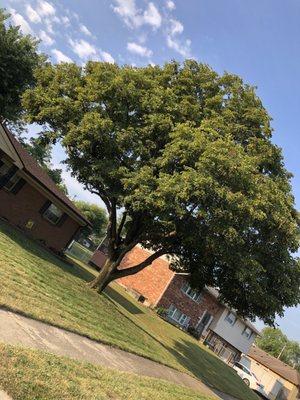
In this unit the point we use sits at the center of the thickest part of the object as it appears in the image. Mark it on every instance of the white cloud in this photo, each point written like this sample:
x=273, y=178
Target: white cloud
x=107, y=57
x=82, y=48
x=127, y=10
x=138, y=49
x=84, y=30
x=45, y=8
x=20, y=21
x=152, y=16
x=46, y=39
x=60, y=57
x=48, y=25
x=176, y=27
x=65, y=20
x=183, y=48
x=134, y=17
x=32, y=15
x=170, y=5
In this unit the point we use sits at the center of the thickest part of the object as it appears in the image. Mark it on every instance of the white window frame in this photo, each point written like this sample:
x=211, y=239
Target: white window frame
x=48, y=213
x=230, y=320
x=247, y=335
x=191, y=293
x=182, y=320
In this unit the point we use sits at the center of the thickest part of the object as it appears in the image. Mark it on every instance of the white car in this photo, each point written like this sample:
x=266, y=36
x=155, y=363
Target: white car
x=248, y=377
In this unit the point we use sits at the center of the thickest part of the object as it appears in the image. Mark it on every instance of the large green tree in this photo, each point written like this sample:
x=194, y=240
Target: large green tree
x=186, y=155
x=97, y=217
x=276, y=343
x=42, y=153
x=18, y=58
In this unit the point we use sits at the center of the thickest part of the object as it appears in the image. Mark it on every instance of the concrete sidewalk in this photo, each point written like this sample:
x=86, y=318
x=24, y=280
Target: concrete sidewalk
x=19, y=330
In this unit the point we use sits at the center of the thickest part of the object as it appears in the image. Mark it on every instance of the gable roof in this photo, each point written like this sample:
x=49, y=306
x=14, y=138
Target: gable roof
x=275, y=365
x=32, y=168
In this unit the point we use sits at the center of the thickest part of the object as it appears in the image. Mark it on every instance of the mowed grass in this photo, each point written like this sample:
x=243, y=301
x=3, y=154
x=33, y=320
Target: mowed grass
x=37, y=284
x=35, y=375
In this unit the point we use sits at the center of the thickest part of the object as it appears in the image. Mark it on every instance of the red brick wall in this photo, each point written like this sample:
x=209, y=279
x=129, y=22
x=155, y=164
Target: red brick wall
x=19, y=208
x=151, y=281
x=174, y=295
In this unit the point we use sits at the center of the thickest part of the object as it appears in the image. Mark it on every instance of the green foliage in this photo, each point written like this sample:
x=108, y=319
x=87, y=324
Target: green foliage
x=97, y=216
x=41, y=152
x=274, y=342
x=18, y=59
x=187, y=155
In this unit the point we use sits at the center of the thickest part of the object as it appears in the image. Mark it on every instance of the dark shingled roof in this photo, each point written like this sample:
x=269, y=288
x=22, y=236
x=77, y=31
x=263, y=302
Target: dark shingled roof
x=275, y=365
x=32, y=168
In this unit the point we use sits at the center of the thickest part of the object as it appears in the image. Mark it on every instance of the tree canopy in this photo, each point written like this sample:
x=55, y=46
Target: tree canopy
x=274, y=342
x=18, y=59
x=41, y=152
x=187, y=156
x=97, y=217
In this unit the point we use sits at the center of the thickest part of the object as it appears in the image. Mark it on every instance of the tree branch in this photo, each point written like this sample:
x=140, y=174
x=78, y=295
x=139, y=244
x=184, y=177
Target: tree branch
x=126, y=250
x=139, y=267
x=120, y=228
x=103, y=197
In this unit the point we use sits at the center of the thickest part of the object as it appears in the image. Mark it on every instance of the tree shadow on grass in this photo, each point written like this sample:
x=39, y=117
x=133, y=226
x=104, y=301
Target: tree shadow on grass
x=189, y=355
x=212, y=371
x=117, y=297
x=200, y=363
x=32, y=246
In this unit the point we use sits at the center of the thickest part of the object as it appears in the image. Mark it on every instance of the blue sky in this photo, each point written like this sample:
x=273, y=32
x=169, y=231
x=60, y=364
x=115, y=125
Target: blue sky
x=258, y=39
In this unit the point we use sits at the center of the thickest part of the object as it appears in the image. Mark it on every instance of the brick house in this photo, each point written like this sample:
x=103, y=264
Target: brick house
x=31, y=201
x=212, y=321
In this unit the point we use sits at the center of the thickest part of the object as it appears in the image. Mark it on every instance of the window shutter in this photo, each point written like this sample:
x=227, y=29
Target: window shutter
x=18, y=186
x=62, y=219
x=6, y=178
x=45, y=207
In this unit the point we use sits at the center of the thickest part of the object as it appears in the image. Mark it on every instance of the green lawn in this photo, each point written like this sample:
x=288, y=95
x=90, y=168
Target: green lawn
x=35, y=375
x=39, y=285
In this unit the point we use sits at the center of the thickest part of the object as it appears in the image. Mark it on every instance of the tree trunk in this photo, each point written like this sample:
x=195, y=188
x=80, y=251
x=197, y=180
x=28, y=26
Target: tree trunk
x=104, y=277
x=110, y=272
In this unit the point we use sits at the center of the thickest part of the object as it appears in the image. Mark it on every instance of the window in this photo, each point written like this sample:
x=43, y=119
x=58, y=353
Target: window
x=4, y=169
x=247, y=333
x=230, y=318
x=191, y=293
x=12, y=182
x=178, y=316
x=242, y=367
x=53, y=214
x=239, y=366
